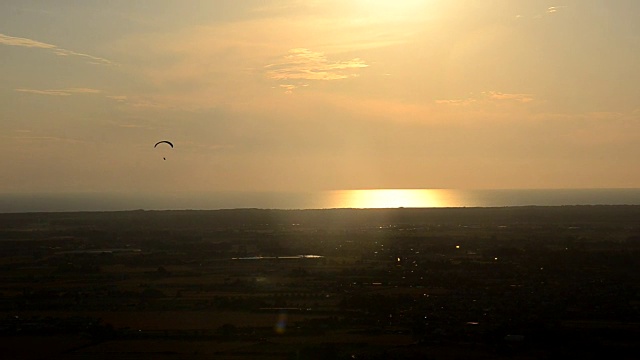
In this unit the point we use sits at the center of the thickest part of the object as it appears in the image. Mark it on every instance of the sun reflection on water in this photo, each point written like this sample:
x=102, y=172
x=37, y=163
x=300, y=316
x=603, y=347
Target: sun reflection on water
x=393, y=198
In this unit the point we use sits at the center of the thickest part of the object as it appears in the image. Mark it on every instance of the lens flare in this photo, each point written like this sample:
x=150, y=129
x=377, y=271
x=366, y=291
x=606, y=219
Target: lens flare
x=281, y=323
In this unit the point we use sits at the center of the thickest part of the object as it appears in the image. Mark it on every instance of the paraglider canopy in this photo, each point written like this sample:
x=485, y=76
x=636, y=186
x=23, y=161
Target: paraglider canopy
x=163, y=141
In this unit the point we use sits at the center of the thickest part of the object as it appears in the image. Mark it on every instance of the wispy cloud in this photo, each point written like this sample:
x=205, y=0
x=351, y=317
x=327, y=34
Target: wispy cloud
x=288, y=88
x=60, y=92
x=489, y=96
x=555, y=9
x=45, y=138
x=456, y=102
x=550, y=11
x=30, y=43
x=132, y=126
x=495, y=95
x=304, y=64
x=118, y=98
x=24, y=42
x=92, y=59
x=44, y=92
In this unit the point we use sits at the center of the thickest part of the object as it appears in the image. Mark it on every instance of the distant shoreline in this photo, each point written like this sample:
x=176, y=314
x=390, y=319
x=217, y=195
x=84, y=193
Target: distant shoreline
x=339, y=199
x=566, y=216
x=258, y=209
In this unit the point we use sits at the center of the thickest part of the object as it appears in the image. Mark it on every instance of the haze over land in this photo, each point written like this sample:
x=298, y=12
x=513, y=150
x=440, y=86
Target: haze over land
x=318, y=95
x=481, y=283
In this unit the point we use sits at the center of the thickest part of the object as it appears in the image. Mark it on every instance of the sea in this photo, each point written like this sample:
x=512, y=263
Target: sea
x=362, y=198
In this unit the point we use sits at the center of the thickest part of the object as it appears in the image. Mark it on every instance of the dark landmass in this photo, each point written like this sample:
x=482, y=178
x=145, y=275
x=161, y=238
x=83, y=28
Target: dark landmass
x=453, y=283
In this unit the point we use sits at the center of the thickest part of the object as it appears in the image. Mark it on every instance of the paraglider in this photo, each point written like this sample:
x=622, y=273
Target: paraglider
x=166, y=142
x=163, y=141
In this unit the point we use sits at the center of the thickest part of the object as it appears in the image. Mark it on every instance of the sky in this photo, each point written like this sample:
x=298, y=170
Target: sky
x=305, y=95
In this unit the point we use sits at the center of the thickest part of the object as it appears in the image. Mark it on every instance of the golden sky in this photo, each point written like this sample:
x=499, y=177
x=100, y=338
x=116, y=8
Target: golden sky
x=305, y=95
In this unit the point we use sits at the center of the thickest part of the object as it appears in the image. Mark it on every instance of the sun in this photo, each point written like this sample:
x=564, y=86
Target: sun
x=394, y=9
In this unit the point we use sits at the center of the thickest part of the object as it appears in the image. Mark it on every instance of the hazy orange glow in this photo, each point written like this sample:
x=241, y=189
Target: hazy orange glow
x=382, y=8
x=306, y=96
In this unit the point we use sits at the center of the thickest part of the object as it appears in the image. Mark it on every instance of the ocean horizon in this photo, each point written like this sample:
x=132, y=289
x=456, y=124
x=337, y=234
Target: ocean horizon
x=371, y=198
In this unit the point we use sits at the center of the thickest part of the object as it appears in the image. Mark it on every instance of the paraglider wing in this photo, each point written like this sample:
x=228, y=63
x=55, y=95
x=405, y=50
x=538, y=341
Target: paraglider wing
x=163, y=141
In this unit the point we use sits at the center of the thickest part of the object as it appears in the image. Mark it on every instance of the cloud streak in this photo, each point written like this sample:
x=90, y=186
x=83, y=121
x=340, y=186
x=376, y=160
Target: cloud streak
x=492, y=96
x=550, y=11
x=45, y=138
x=30, y=43
x=60, y=92
x=304, y=64
x=495, y=95
x=555, y=9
